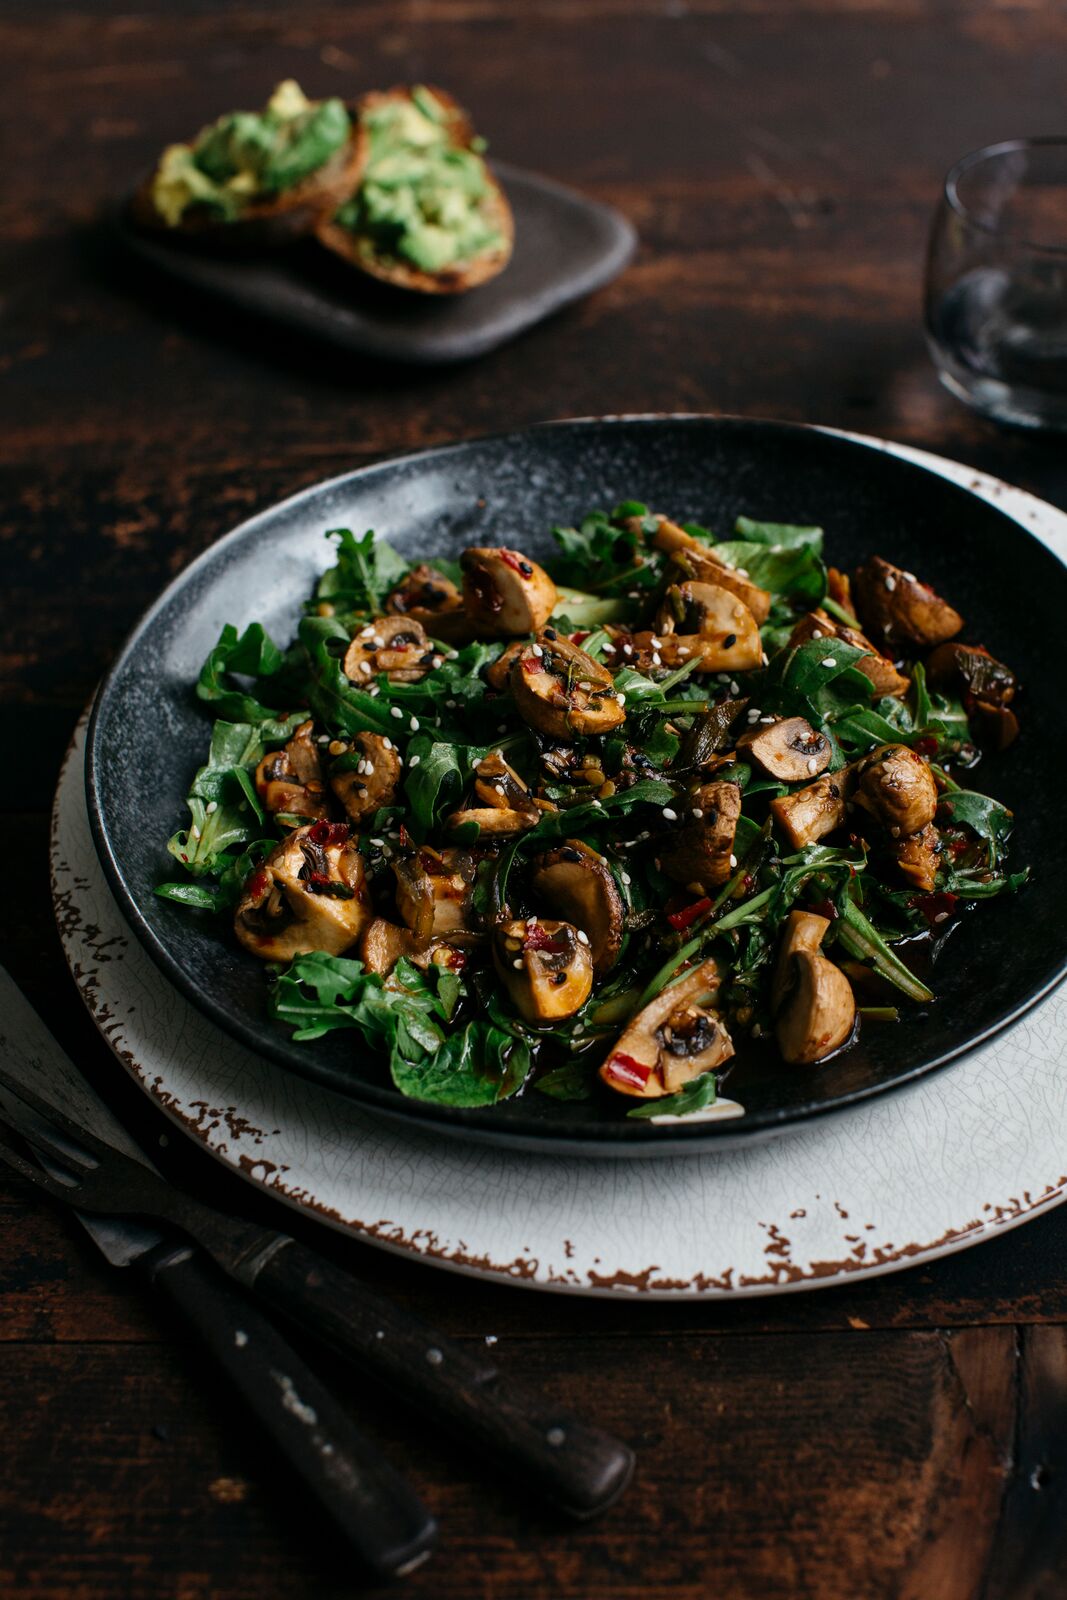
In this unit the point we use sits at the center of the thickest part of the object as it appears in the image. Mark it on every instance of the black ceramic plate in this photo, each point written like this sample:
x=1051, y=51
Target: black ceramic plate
x=565, y=247
x=147, y=735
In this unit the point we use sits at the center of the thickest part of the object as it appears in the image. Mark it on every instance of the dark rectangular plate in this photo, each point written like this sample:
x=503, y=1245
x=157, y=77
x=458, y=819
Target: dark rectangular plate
x=565, y=247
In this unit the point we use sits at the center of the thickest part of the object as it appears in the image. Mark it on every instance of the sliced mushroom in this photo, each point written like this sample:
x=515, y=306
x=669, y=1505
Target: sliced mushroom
x=309, y=894
x=897, y=788
x=819, y=1011
x=433, y=892
x=427, y=597
x=498, y=675
x=397, y=646
x=918, y=857
x=365, y=778
x=708, y=621
x=291, y=780
x=498, y=785
x=562, y=691
x=383, y=944
x=577, y=882
x=986, y=687
x=808, y=814
x=802, y=930
x=497, y=822
x=505, y=593
x=547, y=967
x=695, y=559
x=701, y=852
x=897, y=610
x=881, y=671
x=790, y=750
x=677, y=1037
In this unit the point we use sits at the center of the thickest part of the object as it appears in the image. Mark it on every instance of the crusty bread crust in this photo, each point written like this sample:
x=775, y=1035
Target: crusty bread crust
x=454, y=279
x=271, y=222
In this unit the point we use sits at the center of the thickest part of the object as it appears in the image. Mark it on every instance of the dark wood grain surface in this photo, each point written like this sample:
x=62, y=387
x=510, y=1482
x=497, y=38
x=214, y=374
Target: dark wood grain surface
x=904, y=1438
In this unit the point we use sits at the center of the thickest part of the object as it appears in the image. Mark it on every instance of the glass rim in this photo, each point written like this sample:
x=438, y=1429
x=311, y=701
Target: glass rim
x=986, y=152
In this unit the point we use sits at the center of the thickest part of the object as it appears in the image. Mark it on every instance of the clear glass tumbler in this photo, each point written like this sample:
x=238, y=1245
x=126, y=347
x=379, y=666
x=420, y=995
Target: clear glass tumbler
x=996, y=282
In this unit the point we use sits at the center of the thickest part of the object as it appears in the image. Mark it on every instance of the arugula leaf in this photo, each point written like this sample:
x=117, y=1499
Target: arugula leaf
x=991, y=821
x=223, y=805
x=365, y=570
x=333, y=698
x=574, y=1080
x=600, y=554
x=701, y=1092
x=598, y=813
x=477, y=1066
x=793, y=570
x=436, y=776
x=789, y=535
x=253, y=654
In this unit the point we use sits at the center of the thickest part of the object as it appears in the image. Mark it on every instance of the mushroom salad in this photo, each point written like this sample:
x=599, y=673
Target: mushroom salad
x=593, y=827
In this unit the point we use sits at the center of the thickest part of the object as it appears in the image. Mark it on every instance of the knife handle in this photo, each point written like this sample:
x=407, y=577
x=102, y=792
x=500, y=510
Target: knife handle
x=375, y=1509
x=580, y=1469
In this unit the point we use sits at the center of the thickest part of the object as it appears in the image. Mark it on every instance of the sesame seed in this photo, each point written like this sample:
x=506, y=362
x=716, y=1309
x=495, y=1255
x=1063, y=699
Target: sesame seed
x=763, y=657
x=816, y=633
x=499, y=787
x=625, y=877
x=377, y=843
x=942, y=916
x=828, y=661
x=766, y=719
x=684, y=650
x=621, y=698
x=895, y=832
x=585, y=686
x=583, y=937
x=735, y=688
x=374, y=690
x=890, y=582
x=671, y=816
x=733, y=861
x=211, y=806
x=364, y=666
x=753, y=715
x=656, y=661
x=414, y=724
x=911, y=578
x=414, y=761
x=813, y=765
x=387, y=743
x=395, y=711
x=627, y=649
x=323, y=738
x=451, y=704
x=517, y=963
x=655, y=643
x=195, y=832
x=697, y=812
x=536, y=648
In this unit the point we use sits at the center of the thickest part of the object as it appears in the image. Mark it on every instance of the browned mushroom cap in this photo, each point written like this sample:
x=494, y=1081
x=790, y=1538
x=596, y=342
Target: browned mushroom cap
x=881, y=671
x=701, y=852
x=577, y=882
x=498, y=785
x=504, y=592
x=897, y=787
x=291, y=780
x=433, y=892
x=309, y=894
x=498, y=675
x=547, y=967
x=431, y=599
x=693, y=559
x=706, y=620
x=897, y=610
x=918, y=857
x=802, y=930
x=819, y=1011
x=677, y=1037
x=790, y=750
x=985, y=685
x=807, y=814
x=496, y=822
x=562, y=691
x=397, y=646
x=365, y=779
x=383, y=944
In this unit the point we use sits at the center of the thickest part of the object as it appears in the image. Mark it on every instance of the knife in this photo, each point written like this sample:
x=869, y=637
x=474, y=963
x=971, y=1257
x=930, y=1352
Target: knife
x=374, y=1508
x=580, y=1468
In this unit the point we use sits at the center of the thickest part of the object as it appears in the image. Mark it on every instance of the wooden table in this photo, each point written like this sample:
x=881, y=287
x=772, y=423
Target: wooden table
x=906, y=1437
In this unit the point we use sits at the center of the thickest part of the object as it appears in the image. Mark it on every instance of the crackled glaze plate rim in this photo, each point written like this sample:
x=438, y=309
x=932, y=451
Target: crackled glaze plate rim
x=941, y=1164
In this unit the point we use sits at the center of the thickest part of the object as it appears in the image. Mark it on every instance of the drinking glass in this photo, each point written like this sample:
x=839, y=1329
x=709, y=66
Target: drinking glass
x=996, y=282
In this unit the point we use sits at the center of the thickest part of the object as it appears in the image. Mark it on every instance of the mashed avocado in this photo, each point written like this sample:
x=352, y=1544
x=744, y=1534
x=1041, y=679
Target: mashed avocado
x=250, y=155
x=421, y=200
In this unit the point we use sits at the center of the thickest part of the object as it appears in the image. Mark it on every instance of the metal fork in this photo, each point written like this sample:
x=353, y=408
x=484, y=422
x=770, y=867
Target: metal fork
x=579, y=1468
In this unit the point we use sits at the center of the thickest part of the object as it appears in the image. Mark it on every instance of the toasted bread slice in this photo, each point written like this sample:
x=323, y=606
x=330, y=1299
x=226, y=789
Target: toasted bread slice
x=270, y=222
x=455, y=278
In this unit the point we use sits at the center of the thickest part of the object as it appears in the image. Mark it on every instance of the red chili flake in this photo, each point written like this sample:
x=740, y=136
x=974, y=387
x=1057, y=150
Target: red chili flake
x=936, y=908
x=404, y=838
x=748, y=881
x=683, y=919
x=625, y=1069
x=259, y=882
x=329, y=833
x=456, y=960
x=516, y=563
x=925, y=746
x=531, y=664
x=579, y=638
x=825, y=908
x=538, y=939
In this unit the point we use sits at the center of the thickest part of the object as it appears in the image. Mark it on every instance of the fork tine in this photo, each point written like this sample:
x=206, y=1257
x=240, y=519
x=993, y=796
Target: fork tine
x=35, y=1174
x=48, y=1113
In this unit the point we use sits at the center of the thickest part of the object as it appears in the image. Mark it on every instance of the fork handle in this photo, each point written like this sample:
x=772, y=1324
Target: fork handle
x=375, y=1509
x=579, y=1468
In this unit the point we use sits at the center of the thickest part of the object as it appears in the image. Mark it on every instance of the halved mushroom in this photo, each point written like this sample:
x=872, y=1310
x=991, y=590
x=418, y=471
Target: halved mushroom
x=498, y=785
x=397, y=646
x=881, y=671
x=574, y=880
x=547, y=967
x=505, y=593
x=497, y=675
x=383, y=944
x=985, y=685
x=309, y=894
x=697, y=560
x=898, y=610
x=291, y=780
x=802, y=930
x=819, y=1011
x=790, y=750
x=677, y=1037
x=897, y=788
x=427, y=597
x=365, y=778
x=562, y=691
x=809, y=813
x=496, y=822
x=701, y=852
x=433, y=892
x=708, y=621
x=918, y=857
